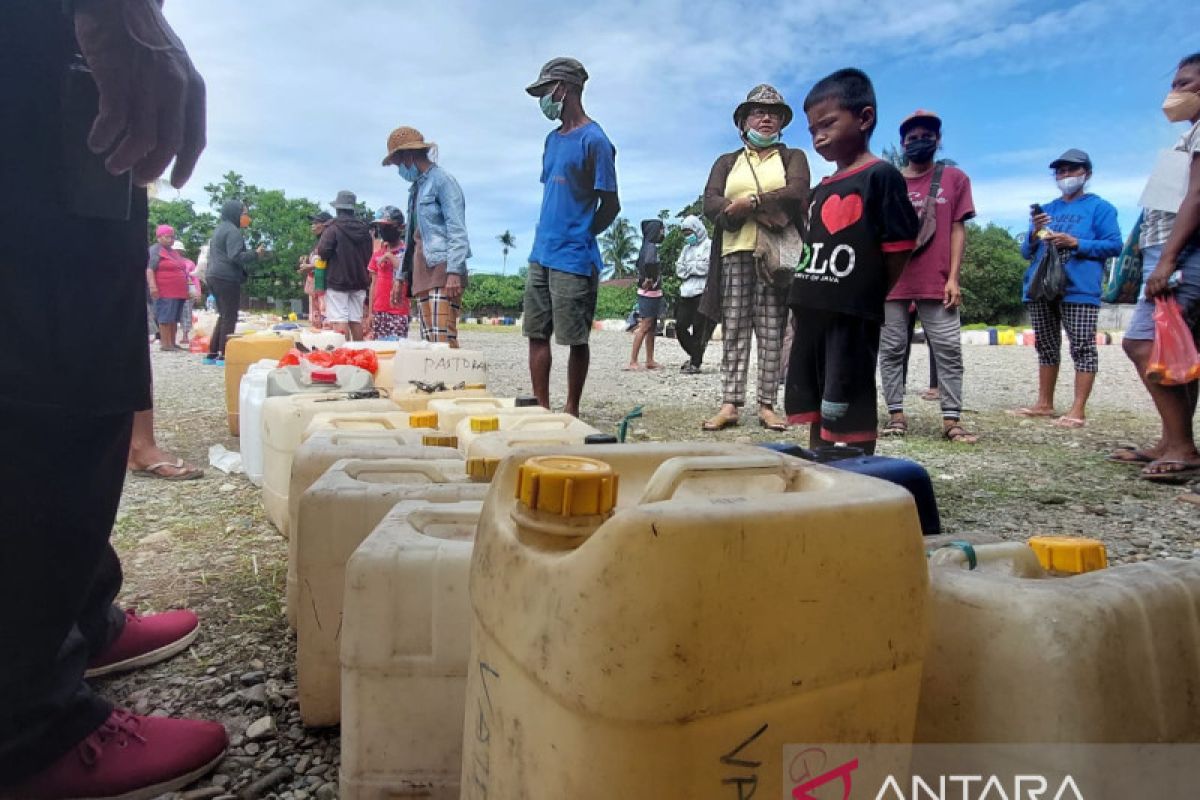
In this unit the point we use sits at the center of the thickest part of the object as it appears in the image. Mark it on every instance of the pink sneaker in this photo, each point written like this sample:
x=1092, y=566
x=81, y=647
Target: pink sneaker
x=145, y=641
x=130, y=758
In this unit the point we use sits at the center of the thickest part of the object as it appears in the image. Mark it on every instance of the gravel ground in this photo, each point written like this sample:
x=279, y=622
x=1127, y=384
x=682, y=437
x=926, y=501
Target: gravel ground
x=206, y=544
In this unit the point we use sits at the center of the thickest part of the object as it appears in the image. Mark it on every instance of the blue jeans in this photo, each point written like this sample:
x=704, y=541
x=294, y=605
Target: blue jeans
x=1187, y=294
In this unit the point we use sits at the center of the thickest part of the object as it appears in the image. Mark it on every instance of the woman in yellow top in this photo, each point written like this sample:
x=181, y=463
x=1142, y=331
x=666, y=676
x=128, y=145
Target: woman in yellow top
x=758, y=190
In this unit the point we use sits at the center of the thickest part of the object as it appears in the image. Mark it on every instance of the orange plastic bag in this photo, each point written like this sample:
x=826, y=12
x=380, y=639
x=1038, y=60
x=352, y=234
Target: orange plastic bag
x=1174, y=360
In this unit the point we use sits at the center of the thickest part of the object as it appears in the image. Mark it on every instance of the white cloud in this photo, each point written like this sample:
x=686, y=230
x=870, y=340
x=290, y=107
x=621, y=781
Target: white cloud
x=303, y=94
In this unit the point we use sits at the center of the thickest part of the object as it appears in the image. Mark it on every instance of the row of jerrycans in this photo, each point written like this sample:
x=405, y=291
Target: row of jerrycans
x=641, y=612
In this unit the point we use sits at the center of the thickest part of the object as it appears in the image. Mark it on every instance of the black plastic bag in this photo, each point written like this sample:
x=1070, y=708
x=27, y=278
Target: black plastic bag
x=1049, y=282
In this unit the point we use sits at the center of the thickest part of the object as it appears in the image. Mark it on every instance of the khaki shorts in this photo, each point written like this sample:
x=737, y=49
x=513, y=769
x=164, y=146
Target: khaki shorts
x=561, y=303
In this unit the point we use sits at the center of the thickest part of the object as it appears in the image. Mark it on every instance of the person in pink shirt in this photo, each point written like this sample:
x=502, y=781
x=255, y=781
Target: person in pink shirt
x=167, y=281
x=388, y=305
x=930, y=281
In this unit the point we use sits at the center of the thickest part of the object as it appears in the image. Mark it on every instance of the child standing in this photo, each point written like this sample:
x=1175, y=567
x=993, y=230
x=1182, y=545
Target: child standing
x=861, y=232
x=389, y=307
x=649, y=293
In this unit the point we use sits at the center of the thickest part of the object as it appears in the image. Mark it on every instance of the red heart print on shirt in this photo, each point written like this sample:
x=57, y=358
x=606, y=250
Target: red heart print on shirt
x=840, y=213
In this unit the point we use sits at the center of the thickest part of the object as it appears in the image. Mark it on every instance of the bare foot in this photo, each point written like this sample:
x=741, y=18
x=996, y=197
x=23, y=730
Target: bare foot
x=653, y=365
x=632, y=367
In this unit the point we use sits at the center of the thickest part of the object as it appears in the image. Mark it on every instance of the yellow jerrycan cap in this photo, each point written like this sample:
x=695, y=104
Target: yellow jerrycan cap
x=423, y=419
x=439, y=440
x=567, y=486
x=482, y=468
x=1071, y=555
x=484, y=424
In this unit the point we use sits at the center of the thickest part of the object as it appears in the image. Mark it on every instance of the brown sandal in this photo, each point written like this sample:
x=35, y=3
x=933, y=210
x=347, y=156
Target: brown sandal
x=767, y=418
x=718, y=422
x=959, y=435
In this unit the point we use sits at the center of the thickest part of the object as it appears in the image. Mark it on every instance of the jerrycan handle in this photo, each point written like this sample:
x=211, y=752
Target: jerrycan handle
x=674, y=472
x=422, y=519
x=409, y=466
x=477, y=402
x=541, y=422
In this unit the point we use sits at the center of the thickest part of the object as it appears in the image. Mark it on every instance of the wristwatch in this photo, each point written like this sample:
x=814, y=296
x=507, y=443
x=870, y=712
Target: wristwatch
x=754, y=201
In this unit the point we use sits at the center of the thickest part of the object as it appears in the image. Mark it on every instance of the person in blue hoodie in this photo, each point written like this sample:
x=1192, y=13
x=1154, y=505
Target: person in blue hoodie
x=1084, y=229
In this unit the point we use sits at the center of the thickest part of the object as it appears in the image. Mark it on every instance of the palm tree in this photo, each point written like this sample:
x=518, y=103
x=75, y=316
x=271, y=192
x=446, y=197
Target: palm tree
x=618, y=248
x=507, y=242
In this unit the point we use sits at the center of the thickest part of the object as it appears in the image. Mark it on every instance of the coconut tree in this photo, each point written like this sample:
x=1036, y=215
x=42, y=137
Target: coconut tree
x=507, y=242
x=619, y=248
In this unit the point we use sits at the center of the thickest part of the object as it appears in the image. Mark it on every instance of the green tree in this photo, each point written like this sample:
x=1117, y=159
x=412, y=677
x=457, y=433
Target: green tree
x=893, y=155
x=507, y=242
x=193, y=228
x=619, y=248
x=992, y=273
x=279, y=223
x=490, y=295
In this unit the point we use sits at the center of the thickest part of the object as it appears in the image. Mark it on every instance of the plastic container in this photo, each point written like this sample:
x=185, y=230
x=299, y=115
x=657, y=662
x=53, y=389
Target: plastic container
x=485, y=449
x=438, y=364
x=252, y=393
x=240, y=353
x=531, y=423
x=900, y=471
x=306, y=379
x=284, y=421
x=1019, y=656
x=452, y=411
x=354, y=434
x=336, y=514
x=405, y=644
x=734, y=601
x=322, y=340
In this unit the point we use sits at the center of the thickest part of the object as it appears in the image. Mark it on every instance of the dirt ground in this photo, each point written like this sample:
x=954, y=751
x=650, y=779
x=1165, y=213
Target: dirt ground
x=206, y=544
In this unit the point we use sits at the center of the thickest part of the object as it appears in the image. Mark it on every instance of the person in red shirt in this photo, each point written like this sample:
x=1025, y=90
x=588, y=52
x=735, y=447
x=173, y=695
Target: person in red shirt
x=389, y=310
x=167, y=281
x=930, y=282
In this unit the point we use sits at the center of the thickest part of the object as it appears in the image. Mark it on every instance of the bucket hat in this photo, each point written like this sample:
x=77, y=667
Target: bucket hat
x=762, y=95
x=404, y=138
x=345, y=200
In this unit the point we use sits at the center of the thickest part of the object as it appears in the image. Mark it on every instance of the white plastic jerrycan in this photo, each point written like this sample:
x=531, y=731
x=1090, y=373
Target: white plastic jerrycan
x=650, y=621
x=405, y=642
x=336, y=514
x=453, y=410
x=252, y=393
x=346, y=436
x=1020, y=655
x=484, y=441
x=284, y=421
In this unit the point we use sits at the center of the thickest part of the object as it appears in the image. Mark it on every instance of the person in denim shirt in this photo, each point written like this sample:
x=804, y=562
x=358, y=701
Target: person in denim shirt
x=436, y=246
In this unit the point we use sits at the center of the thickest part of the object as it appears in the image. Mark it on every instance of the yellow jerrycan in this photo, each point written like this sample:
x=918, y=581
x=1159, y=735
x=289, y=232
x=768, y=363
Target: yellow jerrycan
x=660, y=620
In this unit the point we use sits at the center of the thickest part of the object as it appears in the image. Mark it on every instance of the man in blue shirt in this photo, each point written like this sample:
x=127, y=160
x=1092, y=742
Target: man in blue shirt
x=578, y=202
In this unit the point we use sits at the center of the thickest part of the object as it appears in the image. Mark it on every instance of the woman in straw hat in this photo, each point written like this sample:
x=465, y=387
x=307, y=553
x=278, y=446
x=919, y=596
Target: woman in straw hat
x=759, y=190
x=436, y=245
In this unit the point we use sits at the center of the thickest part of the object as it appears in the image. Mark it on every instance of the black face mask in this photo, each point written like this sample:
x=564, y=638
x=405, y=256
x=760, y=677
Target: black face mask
x=920, y=151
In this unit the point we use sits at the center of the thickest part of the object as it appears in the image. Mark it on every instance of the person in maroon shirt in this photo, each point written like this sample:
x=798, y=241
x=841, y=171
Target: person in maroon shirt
x=930, y=281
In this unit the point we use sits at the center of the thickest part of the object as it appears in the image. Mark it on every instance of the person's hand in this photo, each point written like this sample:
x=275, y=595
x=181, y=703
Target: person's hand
x=154, y=293
x=1063, y=240
x=952, y=295
x=1156, y=284
x=152, y=100
x=454, y=287
x=1040, y=221
x=261, y=250
x=739, y=208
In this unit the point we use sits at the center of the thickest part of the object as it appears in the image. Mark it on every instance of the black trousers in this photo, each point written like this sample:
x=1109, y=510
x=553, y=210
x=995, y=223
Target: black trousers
x=229, y=296
x=692, y=329
x=66, y=405
x=58, y=576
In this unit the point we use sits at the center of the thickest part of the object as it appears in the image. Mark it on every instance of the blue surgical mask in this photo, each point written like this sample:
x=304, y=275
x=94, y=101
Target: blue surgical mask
x=758, y=140
x=408, y=171
x=692, y=239
x=552, y=110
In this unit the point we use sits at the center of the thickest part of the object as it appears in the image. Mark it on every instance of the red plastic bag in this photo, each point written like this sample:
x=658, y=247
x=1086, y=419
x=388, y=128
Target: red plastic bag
x=1174, y=360
x=363, y=359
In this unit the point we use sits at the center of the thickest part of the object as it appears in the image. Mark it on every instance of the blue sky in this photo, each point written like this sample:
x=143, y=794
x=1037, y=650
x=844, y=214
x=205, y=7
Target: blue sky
x=303, y=94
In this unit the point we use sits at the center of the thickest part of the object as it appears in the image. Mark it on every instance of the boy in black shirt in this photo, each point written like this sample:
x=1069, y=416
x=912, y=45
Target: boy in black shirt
x=861, y=231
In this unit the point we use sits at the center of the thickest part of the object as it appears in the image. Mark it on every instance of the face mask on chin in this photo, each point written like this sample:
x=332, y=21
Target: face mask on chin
x=1181, y=106
x=760, y=140
x=408, y=171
